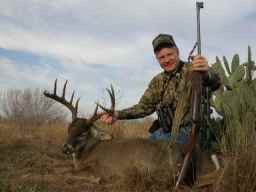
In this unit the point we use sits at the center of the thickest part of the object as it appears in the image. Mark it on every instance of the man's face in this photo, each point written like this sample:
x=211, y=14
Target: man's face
x=168, y=58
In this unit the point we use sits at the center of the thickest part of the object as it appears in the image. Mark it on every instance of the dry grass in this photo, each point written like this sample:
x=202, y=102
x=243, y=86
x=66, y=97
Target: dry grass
x=143, y=180
x=10, y=133
x=28, y=151
x=31, y=160
x=239, y=174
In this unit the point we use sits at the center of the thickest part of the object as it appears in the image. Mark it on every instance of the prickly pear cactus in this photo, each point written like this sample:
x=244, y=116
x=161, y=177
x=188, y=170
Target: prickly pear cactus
x=236, y=100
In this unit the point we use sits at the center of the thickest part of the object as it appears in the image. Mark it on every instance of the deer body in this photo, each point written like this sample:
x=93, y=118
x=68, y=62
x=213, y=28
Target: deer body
x=115, y=157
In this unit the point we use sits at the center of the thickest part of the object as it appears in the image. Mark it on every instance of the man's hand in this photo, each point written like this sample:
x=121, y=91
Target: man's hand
x=108, y=119
x=200, y=63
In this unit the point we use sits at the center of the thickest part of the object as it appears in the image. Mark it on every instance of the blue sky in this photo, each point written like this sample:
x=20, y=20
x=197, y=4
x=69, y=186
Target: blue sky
x=95, y=43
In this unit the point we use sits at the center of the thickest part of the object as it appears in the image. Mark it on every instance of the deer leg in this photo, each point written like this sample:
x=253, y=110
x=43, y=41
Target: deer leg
x=215, y=161
x=74, y=159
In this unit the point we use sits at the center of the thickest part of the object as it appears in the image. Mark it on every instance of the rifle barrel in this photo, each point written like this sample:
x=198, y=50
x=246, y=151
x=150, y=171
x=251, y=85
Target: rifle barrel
x=199, y=5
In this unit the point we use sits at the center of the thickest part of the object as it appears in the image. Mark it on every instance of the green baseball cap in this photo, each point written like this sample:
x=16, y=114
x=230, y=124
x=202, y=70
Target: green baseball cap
x=163, y=40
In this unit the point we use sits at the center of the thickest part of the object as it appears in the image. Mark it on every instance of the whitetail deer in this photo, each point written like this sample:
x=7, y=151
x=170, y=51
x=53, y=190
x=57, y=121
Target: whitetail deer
x=80, y=126
x=115, y=156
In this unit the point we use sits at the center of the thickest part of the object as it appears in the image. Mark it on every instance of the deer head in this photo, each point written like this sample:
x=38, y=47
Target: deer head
x=78, y=126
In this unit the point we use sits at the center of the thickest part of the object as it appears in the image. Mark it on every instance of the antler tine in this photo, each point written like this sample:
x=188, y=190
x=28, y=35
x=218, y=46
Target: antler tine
x=95, y=116
x=55, y=87
x=72, y=97
x=64, y=89
x=75, y=109
x=112, y=97
x=95, y=110
x=76, y=106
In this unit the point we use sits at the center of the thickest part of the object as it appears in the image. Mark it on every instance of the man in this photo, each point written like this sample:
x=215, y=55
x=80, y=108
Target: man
x=169, y=93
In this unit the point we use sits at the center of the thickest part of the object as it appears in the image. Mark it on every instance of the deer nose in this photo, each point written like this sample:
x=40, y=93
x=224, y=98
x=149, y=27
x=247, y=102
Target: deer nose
x=68, y=149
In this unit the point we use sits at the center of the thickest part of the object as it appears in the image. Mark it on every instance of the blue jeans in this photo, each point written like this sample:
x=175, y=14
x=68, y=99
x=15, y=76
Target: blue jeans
x=160, y=134
x=182, y=137
x=184, y=134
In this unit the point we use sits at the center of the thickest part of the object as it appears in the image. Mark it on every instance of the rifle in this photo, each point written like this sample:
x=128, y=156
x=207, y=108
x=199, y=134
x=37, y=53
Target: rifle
x=197, y=90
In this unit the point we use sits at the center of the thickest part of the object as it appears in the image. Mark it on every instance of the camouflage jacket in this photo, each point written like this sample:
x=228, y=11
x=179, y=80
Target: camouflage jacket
x=168, y=88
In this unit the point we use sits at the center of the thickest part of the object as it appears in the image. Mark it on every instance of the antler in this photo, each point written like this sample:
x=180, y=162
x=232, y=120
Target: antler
x=63, y=100
x=73, y=109
x=111, y=93
x=111, y=111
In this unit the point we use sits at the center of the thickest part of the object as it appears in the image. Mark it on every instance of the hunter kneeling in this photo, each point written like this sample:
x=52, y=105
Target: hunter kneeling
x=169, y=95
